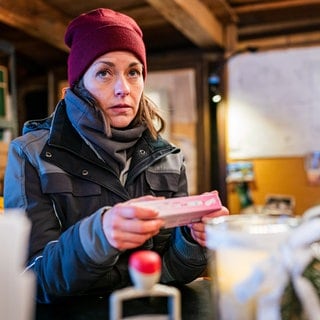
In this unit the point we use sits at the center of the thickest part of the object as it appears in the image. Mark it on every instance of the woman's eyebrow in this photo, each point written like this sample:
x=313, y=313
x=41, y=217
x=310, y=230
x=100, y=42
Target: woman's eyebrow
x=110, y=64
x=133, y=64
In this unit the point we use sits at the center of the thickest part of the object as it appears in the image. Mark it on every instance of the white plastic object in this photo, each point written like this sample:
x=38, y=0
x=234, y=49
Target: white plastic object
x=145, y=270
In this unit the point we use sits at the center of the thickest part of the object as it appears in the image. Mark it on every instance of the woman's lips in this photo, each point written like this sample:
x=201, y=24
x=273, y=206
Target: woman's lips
x=120, y=108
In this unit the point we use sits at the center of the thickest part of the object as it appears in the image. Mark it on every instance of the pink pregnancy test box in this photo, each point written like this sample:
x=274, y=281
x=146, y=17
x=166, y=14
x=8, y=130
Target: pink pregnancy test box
x=183, y=210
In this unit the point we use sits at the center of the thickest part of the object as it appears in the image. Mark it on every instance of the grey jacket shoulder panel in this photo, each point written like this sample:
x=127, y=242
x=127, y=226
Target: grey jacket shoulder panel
x=30, y=146
x=40, y=124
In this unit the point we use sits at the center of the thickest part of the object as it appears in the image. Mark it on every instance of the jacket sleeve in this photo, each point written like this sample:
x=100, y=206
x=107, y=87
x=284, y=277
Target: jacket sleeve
x=65, y=263
x=185, y=260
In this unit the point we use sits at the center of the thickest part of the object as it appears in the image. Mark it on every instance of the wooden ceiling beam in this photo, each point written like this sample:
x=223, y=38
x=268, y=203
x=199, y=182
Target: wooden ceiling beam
x=37, y=19
x=144, y=18
x=278, y=27
x=193, y=19
x=222, y=10
x=285, y=4
x=276, y=42
x=228, y=10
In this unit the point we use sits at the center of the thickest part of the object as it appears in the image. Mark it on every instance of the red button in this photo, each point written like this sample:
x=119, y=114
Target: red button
x=145, y=261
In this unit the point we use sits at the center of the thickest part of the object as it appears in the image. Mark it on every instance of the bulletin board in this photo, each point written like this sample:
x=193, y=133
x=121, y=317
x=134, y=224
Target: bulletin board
x=274, y=103
x=174, y=91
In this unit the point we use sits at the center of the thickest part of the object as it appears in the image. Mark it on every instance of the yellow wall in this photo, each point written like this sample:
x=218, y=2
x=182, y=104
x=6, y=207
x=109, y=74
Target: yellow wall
x=3, y=161
x=279, y=176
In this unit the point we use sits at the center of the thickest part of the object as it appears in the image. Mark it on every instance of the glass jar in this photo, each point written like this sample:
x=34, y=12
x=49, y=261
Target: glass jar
x=237, y=245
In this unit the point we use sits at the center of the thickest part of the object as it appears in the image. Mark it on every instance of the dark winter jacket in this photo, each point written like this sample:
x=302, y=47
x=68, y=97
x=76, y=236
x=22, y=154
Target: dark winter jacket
x=64, y=188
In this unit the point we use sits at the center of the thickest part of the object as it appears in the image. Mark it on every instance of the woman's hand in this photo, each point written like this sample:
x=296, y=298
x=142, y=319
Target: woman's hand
x=198, y=228
x=127, y=226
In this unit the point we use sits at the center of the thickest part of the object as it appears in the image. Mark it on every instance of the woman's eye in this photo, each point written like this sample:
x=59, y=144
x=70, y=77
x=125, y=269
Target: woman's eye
x=135, y=73
x=103, y=73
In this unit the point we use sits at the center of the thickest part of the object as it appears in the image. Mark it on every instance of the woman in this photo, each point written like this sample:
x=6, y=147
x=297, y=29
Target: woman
x=77, y=173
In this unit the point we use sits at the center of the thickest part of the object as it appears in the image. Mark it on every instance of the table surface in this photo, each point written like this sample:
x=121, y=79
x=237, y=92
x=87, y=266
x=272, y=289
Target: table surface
x=196, y=304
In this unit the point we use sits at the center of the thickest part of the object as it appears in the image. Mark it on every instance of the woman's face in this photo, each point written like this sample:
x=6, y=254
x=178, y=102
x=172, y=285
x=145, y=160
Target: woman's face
x=116, y=81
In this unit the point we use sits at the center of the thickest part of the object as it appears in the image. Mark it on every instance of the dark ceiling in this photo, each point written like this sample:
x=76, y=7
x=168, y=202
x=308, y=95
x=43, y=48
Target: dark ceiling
x=36, y=27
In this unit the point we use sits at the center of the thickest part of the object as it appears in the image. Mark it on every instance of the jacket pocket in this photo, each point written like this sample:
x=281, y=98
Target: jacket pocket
x=62, y=183
x=73, y=198
x=163, y=183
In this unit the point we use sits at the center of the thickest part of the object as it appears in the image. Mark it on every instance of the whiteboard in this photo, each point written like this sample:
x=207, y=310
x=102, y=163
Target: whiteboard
x=274, y=103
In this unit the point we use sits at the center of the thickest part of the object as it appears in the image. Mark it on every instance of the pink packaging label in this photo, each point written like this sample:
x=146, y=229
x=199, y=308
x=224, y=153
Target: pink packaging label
x=184, y=210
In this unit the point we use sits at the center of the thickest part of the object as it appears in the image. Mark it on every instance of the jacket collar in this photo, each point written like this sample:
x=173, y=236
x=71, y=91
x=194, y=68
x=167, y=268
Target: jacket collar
x=62, y=134
x=71, y=153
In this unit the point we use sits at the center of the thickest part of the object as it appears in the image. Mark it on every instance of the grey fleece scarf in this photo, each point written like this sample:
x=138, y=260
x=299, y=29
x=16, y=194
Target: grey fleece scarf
x=89, y=123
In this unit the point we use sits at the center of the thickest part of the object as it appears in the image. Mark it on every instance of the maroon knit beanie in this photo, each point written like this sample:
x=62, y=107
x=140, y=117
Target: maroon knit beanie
x=97, y=32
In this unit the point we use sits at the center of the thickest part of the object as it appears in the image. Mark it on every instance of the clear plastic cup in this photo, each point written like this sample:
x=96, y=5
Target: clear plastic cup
x=237, y=244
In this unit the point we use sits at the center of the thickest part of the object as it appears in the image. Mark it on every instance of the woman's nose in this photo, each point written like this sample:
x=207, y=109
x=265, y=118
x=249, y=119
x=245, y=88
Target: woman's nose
x=122, y=88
